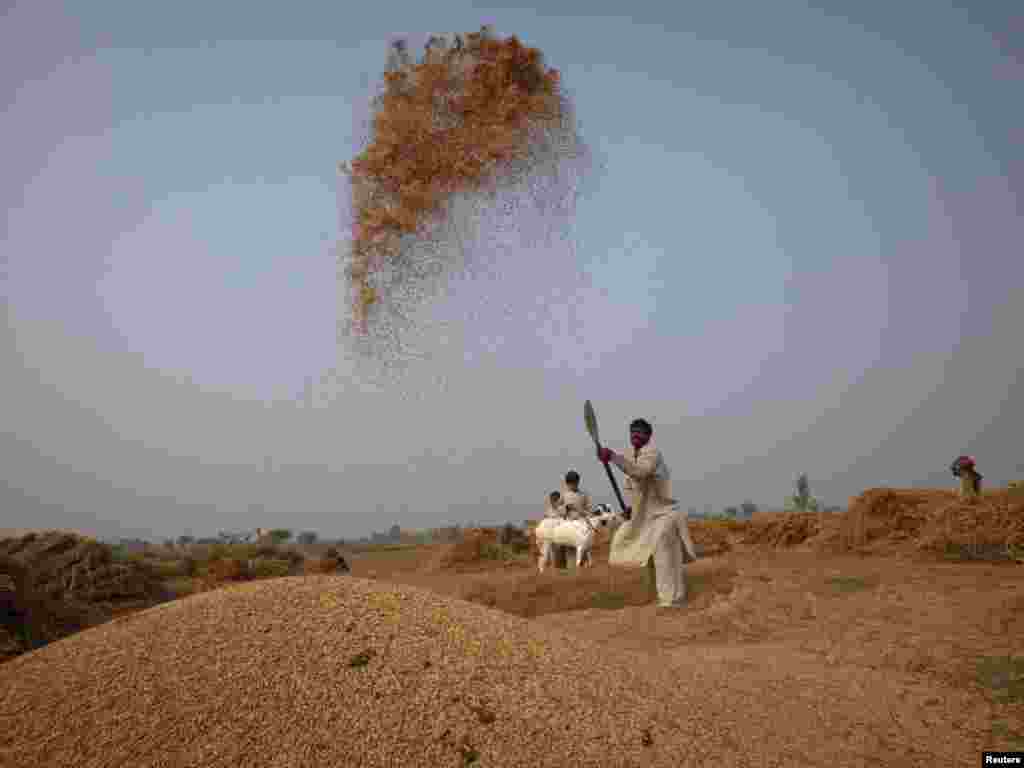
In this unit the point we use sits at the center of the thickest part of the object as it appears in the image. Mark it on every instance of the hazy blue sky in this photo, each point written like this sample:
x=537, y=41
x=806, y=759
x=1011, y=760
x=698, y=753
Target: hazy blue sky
x=804, y=249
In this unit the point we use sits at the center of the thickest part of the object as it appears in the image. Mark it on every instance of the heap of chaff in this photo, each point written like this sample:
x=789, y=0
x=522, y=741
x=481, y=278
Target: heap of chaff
x=469, y=109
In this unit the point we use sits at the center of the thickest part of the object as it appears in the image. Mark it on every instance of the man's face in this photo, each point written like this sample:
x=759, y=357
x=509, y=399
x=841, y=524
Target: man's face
x=638, y=438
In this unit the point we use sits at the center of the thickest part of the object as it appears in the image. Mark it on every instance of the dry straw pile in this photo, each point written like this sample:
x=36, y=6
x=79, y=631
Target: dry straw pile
x=53, y=584
x=65, y=566
x=710, y=537
x=789, y=529
x=938, y=521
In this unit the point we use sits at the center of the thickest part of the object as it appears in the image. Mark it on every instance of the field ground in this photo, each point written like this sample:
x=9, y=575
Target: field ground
x=891, y=653
x=902, y=652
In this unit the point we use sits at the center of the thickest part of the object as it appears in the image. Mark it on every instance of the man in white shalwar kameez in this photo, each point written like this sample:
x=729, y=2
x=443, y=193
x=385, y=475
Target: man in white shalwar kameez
x=576, y=502
x=573, y=504
x=656, y=533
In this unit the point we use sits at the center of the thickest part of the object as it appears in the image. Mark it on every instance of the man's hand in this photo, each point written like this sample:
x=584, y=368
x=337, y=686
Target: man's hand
x=628, y=513
x=605, y=455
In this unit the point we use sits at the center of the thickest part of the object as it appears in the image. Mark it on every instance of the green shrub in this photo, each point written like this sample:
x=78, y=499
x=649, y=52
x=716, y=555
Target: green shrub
x=491, y=551
x=986, y=552
x=848, y=583
x=362, y=658
x=270, y=569
x=1004, y=675
x=165, y=570
x=218, y=552
x=611, y=601
x=181, y=587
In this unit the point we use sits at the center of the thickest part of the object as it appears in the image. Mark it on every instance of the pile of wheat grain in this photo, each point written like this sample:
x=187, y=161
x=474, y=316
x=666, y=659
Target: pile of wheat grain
x=331, y=671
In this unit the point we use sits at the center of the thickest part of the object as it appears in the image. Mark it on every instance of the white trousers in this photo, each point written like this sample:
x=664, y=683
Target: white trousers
x=667, y=562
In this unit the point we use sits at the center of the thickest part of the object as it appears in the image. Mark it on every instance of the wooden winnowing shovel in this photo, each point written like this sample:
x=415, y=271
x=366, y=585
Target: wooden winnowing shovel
x=590, y=419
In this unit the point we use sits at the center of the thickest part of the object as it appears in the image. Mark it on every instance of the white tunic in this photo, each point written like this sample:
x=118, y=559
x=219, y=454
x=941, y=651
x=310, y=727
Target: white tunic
x=656, y=513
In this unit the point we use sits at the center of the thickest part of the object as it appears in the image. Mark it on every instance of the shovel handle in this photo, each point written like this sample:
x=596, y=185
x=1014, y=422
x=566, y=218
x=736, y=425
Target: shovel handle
x=615, y=487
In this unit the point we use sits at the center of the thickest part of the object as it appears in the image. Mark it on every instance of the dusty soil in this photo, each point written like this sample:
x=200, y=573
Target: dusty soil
x=794, y=649
x=894, y=656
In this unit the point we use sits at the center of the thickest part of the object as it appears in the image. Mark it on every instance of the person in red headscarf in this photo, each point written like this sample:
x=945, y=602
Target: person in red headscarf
x=965, y=468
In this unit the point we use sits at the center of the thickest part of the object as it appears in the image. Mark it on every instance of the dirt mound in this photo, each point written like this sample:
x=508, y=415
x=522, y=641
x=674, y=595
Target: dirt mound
x=990, y=527
x=55, y=583
x=347, y=673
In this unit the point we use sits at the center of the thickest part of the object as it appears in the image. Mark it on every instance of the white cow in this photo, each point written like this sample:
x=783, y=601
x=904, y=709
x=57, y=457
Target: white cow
x=572, y=533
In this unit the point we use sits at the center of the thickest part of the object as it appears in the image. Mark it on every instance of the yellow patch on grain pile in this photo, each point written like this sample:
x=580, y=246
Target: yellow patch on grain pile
x=329, y=601
x=389, y=604
x=503, y=648
x=456, y=633
x=535, y=648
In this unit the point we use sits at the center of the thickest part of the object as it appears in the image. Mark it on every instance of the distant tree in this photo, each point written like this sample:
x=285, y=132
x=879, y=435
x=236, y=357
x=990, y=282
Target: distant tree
x=169, y=543
x=834, y=509
x=731, y=512
x=802, y=500
x=749, y=508
x=184, y=541
x=280, y=534
x=306, y=538
x=395, y=533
